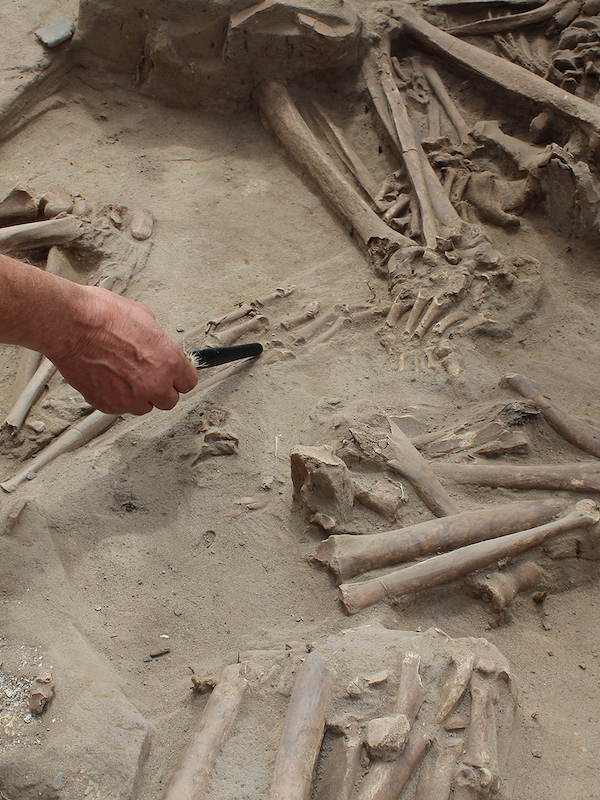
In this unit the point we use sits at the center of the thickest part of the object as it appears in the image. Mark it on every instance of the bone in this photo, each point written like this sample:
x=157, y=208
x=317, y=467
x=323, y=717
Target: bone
x=411, y=692
x=32, y=235
x=510, y=21
x=450, y=319
x=309, y=312
x=437, y=307
x=345, y=151
x=17, y=207
x=340, y=323
x=322, y=482
x=243, y=310
x=503, y=73
x=447, y=103
x=268, y=357
x=573, y=430
x=302, y=730
x=456, y=685
x=474, y=322
x=349, y=555
x=448, y=567
x=477, y=775
x=341, y=769
x=191, y=776
x=437, y=772
x=577, y=477
x=73, y=438
x=409, y=463
x=28, y=364
x=449, y=178
x=386, y=780
x=423, y=297
x=399, y=307
x=383, y=498
x=30, y=395
x=434, y=119
x=56, y=201
x=318, y=323
x=525, y=156
x=481, y=193
x=254, y=325
x=13, y=516
x=397, y=207
x=142, y=224
x=272, y=297
x=501, y=588
x=290, y=128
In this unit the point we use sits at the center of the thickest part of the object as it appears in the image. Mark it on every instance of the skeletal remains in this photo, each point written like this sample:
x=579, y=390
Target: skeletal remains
x=371, y=712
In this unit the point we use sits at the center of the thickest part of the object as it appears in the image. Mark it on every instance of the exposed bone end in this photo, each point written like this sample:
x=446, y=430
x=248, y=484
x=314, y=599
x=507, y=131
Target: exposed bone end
x=386, y=736
x=56, y=201
x=588, y=509
x=322, y=482
x=142, y=223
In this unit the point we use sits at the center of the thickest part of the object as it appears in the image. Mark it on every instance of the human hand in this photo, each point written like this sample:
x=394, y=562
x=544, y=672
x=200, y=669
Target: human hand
x=113, y=351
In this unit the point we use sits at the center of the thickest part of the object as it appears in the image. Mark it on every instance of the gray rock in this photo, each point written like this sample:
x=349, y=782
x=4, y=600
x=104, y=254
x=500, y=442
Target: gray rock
x=55, y=32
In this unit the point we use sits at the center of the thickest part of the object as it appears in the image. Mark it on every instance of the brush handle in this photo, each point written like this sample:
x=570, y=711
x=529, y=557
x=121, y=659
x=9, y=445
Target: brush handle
x=213, y=356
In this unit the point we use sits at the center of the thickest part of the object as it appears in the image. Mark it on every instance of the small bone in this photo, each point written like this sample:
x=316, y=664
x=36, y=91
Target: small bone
x=30, y=395
x=386, y=736
x=510, y=21
x=573, y=430
x=423, y=297
x=55, y=202
x=18, y=206
x=276, y=294
x=481, y=192
x=254, y=325
x=437, y=307
x=302, y=730
x=385, y=780
x=383, y=498
x=459, y=187
x=397, y=207
x=526, y=157
x=28, y=364
x=341, y=769
x=447, y=103
x=477, y=776
x=399, y=307
x=142, y=224
x=243, y=310
x=318, y=323
x=309, y=312
x=340, y=323
x=41, y=692
x=448, y=567
x=449, y=178
x=450, y=319
x=476, y=321
x=192, y=773
x=455, y=686
x=434, y=120
x=345, y=151
x=322, y=482
x=501, y=588
x=411, y=692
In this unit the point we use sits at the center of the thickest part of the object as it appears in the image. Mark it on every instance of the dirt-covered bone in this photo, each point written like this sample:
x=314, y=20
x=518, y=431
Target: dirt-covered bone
x=581, y=476
x=494, y=198
x=510, y=21
x=501, y=587
x=322, y=482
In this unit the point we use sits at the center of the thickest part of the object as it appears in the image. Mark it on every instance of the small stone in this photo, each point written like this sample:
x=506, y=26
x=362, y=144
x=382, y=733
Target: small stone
x=58, y=781
x=582, y=666
x=142, y=223
x=354, y=689
x=546, y=626
x=536, y=753
x=81, y=208
x=180, y=329
x=56, y=201
x=386, y=736
x=36, y=425
x=378, y=678
x=55, y=32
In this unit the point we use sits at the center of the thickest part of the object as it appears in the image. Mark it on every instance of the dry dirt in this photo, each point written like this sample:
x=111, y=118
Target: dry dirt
x=134, y=548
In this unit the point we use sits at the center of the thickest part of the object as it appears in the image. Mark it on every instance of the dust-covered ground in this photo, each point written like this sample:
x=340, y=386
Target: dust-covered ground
x=141, y=542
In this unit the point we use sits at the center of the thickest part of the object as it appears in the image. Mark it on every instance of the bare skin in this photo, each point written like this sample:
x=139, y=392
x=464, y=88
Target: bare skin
x=109, y=348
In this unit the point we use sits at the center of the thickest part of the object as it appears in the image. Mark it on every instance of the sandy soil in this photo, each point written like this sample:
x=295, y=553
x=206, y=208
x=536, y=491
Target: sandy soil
x=156, y=544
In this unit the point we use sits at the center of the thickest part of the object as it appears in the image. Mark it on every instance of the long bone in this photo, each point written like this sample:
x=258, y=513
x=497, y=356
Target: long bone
x=437, y=773
x=450, y=319
x=349, y=555
x=573, y=430
x=30, y=235
x=317, y=324
x=341, y=769
x=448, y=567
x=190, y=778
x=526, y=157
x=302, y=730
x=504, y=73
x=447, y=103
x=345, y=151
x=30, y=395
x=501, y=588
x=578, y=477
x=283, y=117
x=253, y=325
x=510, y=21
x=456, y=685
x=477, y=775
x=309, y=312
x=386, y=779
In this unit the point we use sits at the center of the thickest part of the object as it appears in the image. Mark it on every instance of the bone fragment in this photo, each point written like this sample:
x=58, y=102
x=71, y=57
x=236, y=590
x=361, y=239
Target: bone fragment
x=577, y=477
x=17, y=207
x=286, y=122
x=254, y=325
x=501, y=588
x=190, y=778
x=448, y=104
x=456, y=685
x=345, y=151
x=302, y=730
x=243, y=310
x=341, y=769
x=411, y=692
x=526, y=157
x=409, y=463
x=397, y=207
x=386, y=780
x=40, y=234
x=276, y=294
x=322, y=482
x=386, y=736
x=450, y=319
x=510, y=21
x=341, y=322
x=71, y=439
x=309, y=312
x=481, y=194
x=573, y=430
x=437, y=772
x=142, y=223
x=41, y=692
x=399, y=307
x=318, y=323
x=434, y=120
x=423, y=297
x=437, y=307
x=459, y=187
x=477, y=775
x=349, y=555
x=476, y=321
x=28, y=364
x=513, y=78
x=449, y=178
x=443, y=569
x=56, y=201
x=383, y=498
x=30, y=395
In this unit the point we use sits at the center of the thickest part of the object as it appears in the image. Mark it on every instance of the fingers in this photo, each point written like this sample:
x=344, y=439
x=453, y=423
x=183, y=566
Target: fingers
x=166, y=401
x=186, y=378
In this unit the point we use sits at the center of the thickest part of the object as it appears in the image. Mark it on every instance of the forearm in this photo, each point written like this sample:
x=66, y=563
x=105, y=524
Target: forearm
x=37, y=308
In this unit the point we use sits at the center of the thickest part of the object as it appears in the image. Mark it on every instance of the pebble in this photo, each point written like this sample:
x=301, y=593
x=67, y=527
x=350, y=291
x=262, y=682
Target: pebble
x=536, y=753
x=58, y=781
x=55, y=32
